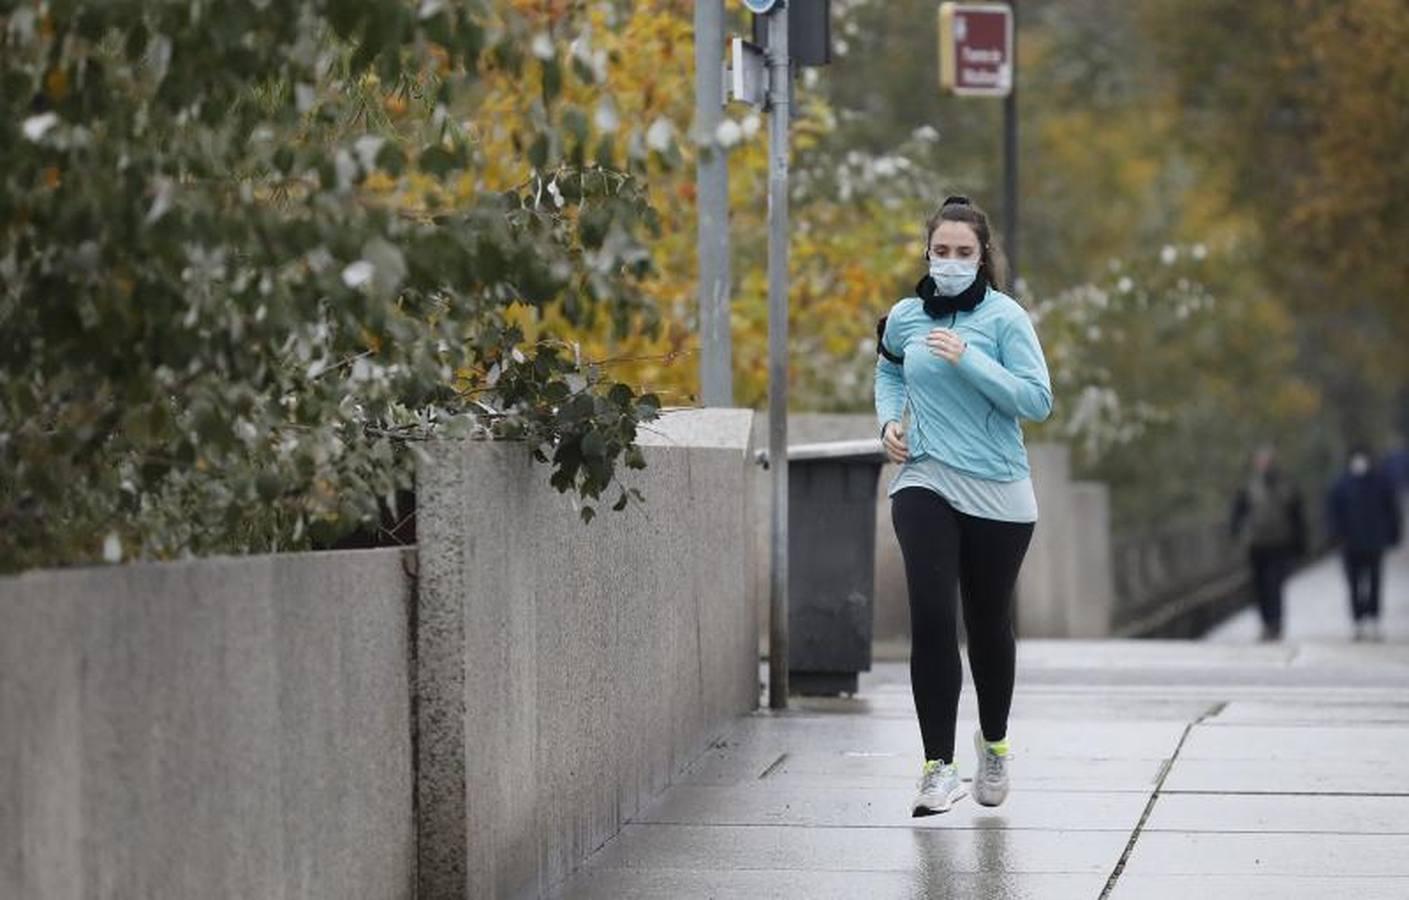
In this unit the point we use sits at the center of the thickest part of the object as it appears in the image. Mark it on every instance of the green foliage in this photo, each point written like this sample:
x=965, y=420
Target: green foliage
x=1165, y=385
x=216, y=334
x=1307, y=126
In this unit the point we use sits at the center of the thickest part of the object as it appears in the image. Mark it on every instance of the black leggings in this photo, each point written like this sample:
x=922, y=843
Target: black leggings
x=1270, y=568
x=1363, y=572
x=947, y=551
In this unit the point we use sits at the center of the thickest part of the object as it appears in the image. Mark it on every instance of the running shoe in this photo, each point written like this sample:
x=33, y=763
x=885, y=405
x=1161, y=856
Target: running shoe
x=940, y=789
x=991, y=777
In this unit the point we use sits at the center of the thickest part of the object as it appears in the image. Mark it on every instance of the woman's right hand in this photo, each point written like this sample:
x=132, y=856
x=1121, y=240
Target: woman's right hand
x=893, y=439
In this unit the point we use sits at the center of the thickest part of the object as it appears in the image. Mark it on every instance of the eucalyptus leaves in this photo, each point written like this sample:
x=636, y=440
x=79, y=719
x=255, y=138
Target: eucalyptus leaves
x=239, y=281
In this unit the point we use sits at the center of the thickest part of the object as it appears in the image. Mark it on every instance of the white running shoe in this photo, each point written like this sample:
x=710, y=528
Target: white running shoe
x=991, y=777
x=940, y=789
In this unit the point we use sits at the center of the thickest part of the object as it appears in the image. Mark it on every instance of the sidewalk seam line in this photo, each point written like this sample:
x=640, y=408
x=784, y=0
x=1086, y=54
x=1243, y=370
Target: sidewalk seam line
x=1168, y=767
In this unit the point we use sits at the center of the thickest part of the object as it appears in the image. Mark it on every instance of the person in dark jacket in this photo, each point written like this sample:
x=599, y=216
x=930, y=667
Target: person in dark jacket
x=1364, y=517
x=1396, y=467
x=1267, y=514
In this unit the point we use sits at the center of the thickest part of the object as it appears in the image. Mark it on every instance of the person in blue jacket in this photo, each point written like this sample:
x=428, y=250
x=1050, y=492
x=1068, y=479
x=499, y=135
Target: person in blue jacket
x=963, y=360
x=1364, y=517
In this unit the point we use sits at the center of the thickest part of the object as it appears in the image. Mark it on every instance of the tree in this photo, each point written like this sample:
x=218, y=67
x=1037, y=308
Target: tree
x=240, y=281
x=856, y=214
x=1308, y=121
x=1166, y=384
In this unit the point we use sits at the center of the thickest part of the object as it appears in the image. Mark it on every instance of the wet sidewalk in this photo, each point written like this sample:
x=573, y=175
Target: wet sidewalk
x=1142, y=770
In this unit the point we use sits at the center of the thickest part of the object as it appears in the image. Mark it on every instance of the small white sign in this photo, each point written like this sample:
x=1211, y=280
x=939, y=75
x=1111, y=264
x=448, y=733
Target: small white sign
x=748, y=73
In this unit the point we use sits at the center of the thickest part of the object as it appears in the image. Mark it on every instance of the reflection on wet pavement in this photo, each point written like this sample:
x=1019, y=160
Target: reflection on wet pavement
x=1142, y=770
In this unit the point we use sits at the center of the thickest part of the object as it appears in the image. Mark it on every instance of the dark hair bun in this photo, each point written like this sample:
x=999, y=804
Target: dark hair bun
x=956, y=200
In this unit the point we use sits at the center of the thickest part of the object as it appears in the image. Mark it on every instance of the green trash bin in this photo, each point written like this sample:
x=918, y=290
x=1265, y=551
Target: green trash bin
x=831, y=563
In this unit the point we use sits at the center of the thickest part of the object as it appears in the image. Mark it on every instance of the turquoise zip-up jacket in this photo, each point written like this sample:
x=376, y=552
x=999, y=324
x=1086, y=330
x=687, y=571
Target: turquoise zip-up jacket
x=966, y=415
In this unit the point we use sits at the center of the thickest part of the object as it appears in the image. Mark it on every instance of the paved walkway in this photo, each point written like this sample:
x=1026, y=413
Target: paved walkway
x=1144, y=770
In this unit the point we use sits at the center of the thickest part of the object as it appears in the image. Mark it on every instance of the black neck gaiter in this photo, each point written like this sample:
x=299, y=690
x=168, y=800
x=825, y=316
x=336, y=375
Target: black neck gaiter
x=937, y=307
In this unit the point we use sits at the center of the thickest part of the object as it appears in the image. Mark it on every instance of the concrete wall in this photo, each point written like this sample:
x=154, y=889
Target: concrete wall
x=231, y=728
x=567, y=672
x=1093, y=612
x=1048, y=572
x=1166, y=576
x=1065, y=589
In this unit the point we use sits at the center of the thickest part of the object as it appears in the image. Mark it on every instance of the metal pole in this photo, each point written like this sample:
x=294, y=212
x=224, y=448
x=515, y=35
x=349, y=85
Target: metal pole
x=712, y=204
x=780, y=90
x=1010, y=161
x=1010, y=186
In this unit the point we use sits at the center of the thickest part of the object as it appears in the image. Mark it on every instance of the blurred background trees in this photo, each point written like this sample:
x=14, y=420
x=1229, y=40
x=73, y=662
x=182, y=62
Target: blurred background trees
x=1211, y=195
x=252, y=254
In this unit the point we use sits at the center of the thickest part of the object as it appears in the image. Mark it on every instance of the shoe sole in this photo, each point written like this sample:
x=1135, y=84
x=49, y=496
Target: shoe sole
x=921, y=810
x=978, y=798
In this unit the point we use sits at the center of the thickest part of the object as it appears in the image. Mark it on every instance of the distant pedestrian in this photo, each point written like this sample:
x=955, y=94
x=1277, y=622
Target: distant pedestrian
x=1267, y=516
x=1364, y=517
x=964, y=357
x=1396, y=466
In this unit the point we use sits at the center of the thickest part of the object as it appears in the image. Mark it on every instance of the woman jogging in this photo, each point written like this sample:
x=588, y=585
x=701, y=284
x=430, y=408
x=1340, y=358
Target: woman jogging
x=965, y=359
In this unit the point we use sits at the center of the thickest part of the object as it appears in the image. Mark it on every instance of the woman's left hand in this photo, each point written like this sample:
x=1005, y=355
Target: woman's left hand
x=946, y=344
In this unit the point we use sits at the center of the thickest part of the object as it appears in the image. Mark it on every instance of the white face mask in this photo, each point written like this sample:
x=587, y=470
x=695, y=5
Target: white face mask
x=953, y=276
x=1359, y=465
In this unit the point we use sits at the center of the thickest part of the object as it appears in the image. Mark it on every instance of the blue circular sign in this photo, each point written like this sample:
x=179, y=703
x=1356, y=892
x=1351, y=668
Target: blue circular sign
x=762, y=7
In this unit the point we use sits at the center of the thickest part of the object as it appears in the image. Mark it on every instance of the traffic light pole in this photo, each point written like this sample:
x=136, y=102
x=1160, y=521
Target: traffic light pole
x=780, y=102
x=1010, y=160
x=712, y=199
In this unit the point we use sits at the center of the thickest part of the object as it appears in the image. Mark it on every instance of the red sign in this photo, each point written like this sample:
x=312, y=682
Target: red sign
x=976, y=49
